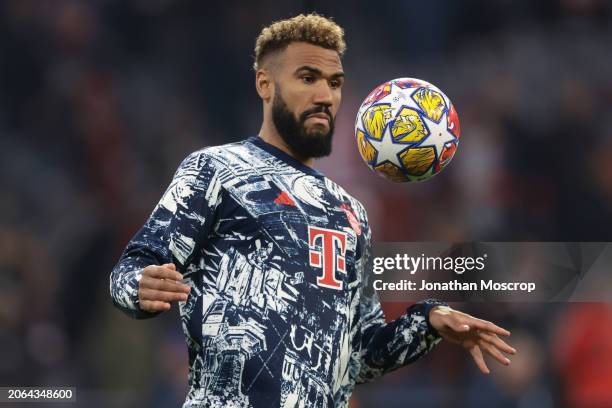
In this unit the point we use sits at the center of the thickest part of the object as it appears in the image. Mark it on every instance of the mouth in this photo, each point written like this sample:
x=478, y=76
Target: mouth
x=319, y=117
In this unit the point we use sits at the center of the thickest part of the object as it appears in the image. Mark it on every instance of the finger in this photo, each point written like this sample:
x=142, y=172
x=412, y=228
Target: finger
x=479, y=359
x=161, y=272
x=155, y=295
x=497, y=342
x=163, y=284
x=493, y=352
x=487, y=326
x=154, y=306
x=170, y=265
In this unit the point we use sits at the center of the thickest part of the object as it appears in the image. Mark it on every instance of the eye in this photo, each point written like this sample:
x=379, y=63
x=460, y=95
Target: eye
x=335, y=83
x=308, y=79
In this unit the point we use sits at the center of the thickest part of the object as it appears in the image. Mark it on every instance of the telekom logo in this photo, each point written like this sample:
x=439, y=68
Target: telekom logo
x=330, y=257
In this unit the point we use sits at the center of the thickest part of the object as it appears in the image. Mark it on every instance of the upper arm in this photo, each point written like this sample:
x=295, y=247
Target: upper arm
x=182, y=219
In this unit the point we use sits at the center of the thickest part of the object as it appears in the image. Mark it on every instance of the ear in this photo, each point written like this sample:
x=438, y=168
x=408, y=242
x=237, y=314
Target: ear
x=264, y=84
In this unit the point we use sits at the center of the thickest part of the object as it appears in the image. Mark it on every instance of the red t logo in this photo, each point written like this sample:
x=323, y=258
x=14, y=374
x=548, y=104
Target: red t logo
x=330, y=257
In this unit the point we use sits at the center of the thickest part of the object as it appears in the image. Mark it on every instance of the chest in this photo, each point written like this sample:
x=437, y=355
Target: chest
x=306, y=222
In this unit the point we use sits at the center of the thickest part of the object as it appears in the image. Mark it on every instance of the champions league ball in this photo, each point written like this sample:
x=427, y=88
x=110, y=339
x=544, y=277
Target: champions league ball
x=407, y=130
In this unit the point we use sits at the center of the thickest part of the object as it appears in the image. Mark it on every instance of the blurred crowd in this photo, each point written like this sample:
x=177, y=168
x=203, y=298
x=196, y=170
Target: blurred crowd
x=100, y=100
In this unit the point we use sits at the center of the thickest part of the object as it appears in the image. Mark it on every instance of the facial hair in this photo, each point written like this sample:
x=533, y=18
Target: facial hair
x=303, y=143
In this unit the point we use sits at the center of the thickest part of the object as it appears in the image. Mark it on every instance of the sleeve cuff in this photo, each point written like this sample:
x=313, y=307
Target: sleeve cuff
x=124, y=293
x=426, y=306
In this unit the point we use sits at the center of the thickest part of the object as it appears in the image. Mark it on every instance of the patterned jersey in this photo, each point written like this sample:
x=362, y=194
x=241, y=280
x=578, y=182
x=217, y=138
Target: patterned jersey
x=275, y=254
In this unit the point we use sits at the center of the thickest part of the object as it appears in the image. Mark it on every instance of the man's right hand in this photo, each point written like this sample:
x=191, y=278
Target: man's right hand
x=160, y=285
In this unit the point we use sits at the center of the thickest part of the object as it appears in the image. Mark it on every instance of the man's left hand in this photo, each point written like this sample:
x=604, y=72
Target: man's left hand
x=474, y=334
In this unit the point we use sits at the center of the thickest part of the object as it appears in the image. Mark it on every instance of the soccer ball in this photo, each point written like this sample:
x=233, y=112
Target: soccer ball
x=407, y=130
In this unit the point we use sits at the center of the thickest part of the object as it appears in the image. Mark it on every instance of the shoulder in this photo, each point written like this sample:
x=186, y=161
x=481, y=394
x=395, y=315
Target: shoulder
x=214, y=158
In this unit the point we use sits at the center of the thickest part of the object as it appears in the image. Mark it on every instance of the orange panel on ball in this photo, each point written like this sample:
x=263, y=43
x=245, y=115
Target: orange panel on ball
x=391, y=171
x=375, y=119
x=418, y=160
x=431, y=102
x=366, y=150
x=408, y=126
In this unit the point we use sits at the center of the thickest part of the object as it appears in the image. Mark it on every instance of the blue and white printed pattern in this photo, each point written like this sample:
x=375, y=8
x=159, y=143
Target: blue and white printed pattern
x=275, y=254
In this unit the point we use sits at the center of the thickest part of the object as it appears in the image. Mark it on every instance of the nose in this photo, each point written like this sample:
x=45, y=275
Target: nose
x=323, y=94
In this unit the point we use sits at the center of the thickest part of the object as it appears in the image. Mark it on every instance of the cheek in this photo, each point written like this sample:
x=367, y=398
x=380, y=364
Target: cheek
x=294, y=100
x=337, y=101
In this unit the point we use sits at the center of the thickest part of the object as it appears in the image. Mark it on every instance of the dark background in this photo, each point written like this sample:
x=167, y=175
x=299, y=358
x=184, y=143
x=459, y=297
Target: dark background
x=101, y=100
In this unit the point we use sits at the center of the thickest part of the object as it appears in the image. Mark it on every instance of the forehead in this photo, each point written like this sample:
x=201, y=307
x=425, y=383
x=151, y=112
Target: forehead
x=298, y=54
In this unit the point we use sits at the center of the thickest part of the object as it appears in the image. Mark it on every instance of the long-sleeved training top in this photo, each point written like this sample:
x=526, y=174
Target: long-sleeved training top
x=275, y=253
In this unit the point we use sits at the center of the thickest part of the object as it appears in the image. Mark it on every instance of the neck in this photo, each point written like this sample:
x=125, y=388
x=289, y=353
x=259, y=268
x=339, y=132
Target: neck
x=270, y=135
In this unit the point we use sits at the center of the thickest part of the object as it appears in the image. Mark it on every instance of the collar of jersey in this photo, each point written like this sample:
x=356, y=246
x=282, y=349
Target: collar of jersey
x=282, y=156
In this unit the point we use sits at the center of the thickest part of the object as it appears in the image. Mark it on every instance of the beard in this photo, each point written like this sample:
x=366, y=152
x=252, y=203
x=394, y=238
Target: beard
x=303, y=143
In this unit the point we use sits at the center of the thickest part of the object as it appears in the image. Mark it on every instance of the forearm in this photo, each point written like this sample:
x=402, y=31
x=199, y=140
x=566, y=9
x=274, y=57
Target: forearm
x=172, y=234
x=388, y=346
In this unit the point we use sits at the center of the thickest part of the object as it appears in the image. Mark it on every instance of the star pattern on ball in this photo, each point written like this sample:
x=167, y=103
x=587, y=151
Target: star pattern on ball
x=387, y=149
x=439, y=135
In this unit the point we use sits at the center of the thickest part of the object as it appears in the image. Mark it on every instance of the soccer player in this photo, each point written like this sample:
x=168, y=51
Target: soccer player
x=266, y=256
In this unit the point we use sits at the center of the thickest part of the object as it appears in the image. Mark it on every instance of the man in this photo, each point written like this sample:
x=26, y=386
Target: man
x=266, y=256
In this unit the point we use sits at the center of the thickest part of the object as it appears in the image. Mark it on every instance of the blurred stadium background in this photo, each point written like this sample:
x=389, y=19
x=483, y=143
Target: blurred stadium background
x=100, y=100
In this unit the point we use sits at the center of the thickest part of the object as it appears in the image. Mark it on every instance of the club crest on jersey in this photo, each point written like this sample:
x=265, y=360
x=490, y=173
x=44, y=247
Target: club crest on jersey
x=327, y=250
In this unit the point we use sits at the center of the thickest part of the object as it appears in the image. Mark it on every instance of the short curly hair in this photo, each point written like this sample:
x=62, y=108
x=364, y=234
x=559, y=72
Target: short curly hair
x=311, y=28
